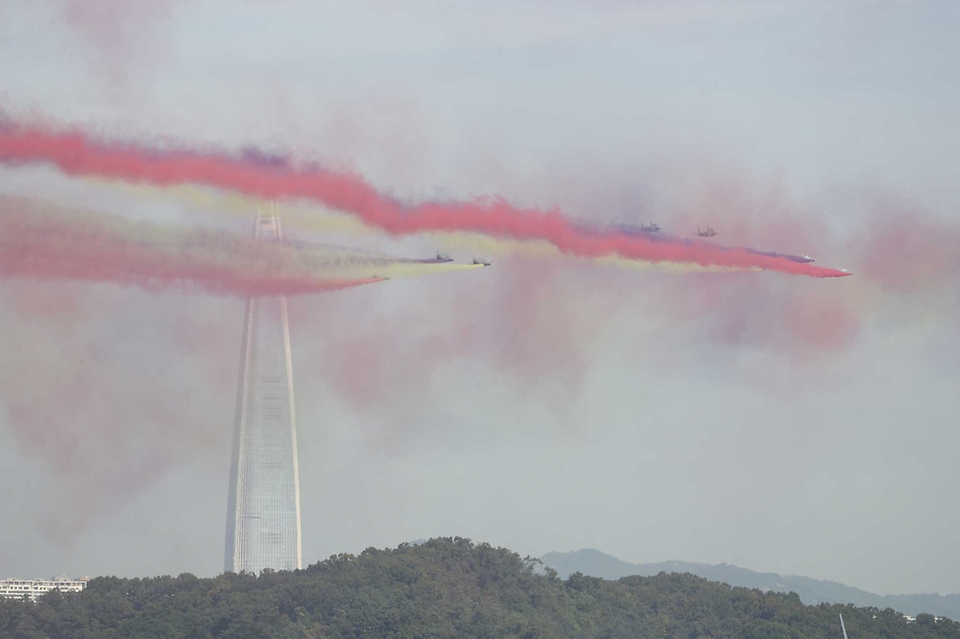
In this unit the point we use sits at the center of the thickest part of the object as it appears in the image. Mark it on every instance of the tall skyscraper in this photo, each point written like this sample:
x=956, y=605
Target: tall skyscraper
x=263, y=511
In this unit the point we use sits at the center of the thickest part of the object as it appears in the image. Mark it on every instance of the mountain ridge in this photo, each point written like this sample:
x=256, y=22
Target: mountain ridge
x=595, y=563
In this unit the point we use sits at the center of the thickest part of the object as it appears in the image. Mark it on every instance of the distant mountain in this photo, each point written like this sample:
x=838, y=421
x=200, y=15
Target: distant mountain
x=594, y=563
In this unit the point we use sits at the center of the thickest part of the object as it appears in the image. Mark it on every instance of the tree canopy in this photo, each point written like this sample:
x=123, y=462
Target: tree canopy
x=448, y=587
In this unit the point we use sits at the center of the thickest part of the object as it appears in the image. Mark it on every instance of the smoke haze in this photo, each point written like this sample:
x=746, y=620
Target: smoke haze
x=75, y=154
x=548, y=402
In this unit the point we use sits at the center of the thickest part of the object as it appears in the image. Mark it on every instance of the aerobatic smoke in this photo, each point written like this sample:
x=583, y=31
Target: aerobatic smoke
x=75, y=153
x=544, y=319
x=110, y=388
x=66, y=384
x=50, y=244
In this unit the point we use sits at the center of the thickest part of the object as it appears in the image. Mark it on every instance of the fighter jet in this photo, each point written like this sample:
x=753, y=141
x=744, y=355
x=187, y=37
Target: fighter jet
x=653, y=228
x=708, y=233
x=481, y=261
x=806, y=259
x=443, y=257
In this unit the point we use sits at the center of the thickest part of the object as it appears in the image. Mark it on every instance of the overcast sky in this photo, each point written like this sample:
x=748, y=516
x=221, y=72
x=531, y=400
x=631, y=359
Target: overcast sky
x=775, y=422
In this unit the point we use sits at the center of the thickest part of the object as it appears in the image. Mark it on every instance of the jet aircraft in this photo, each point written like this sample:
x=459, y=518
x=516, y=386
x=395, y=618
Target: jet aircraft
x=481, y=261
x=653, y=228
x=708, y=233
x=443, y=257
x=806, y=259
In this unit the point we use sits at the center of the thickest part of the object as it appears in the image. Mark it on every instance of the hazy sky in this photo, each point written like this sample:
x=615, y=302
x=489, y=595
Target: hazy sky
x=776, y=422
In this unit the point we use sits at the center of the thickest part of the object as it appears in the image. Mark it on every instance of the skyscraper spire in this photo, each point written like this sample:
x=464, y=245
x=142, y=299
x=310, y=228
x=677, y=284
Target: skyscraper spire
x=263, y=510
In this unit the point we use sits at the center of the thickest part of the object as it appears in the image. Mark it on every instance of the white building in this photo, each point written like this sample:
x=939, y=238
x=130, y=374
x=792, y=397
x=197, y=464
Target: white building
x=34, y=588
x=263, y=511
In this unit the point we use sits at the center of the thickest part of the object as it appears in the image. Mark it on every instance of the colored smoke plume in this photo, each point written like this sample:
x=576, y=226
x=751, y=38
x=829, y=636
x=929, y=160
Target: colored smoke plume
x=73, y=388
x=76, y=153
x=112, y=388
x=537, y=322
x=45, y=243
x=533, y=322
x=530, y=324
x=908, y=252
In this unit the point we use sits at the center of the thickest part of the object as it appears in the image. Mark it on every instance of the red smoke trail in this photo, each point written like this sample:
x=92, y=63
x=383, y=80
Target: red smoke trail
x=49, y=245
x=77, y=154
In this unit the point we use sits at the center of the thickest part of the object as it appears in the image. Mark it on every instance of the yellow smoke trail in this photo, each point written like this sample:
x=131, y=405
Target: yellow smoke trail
x=487, y=246
x=672, y=267
x=295, y=215
x=310, y=217
x=386, y=269
x=85, y=236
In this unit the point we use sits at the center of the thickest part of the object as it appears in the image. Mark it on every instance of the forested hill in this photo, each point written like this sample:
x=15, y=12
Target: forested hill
x=812, y=591
x=442, y=588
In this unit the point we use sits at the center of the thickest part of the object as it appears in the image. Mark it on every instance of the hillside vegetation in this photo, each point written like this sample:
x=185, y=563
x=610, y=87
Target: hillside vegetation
x=442, y=588
x=812, y=591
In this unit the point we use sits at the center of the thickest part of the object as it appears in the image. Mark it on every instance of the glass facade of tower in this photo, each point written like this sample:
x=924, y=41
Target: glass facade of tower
x=263, y=518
